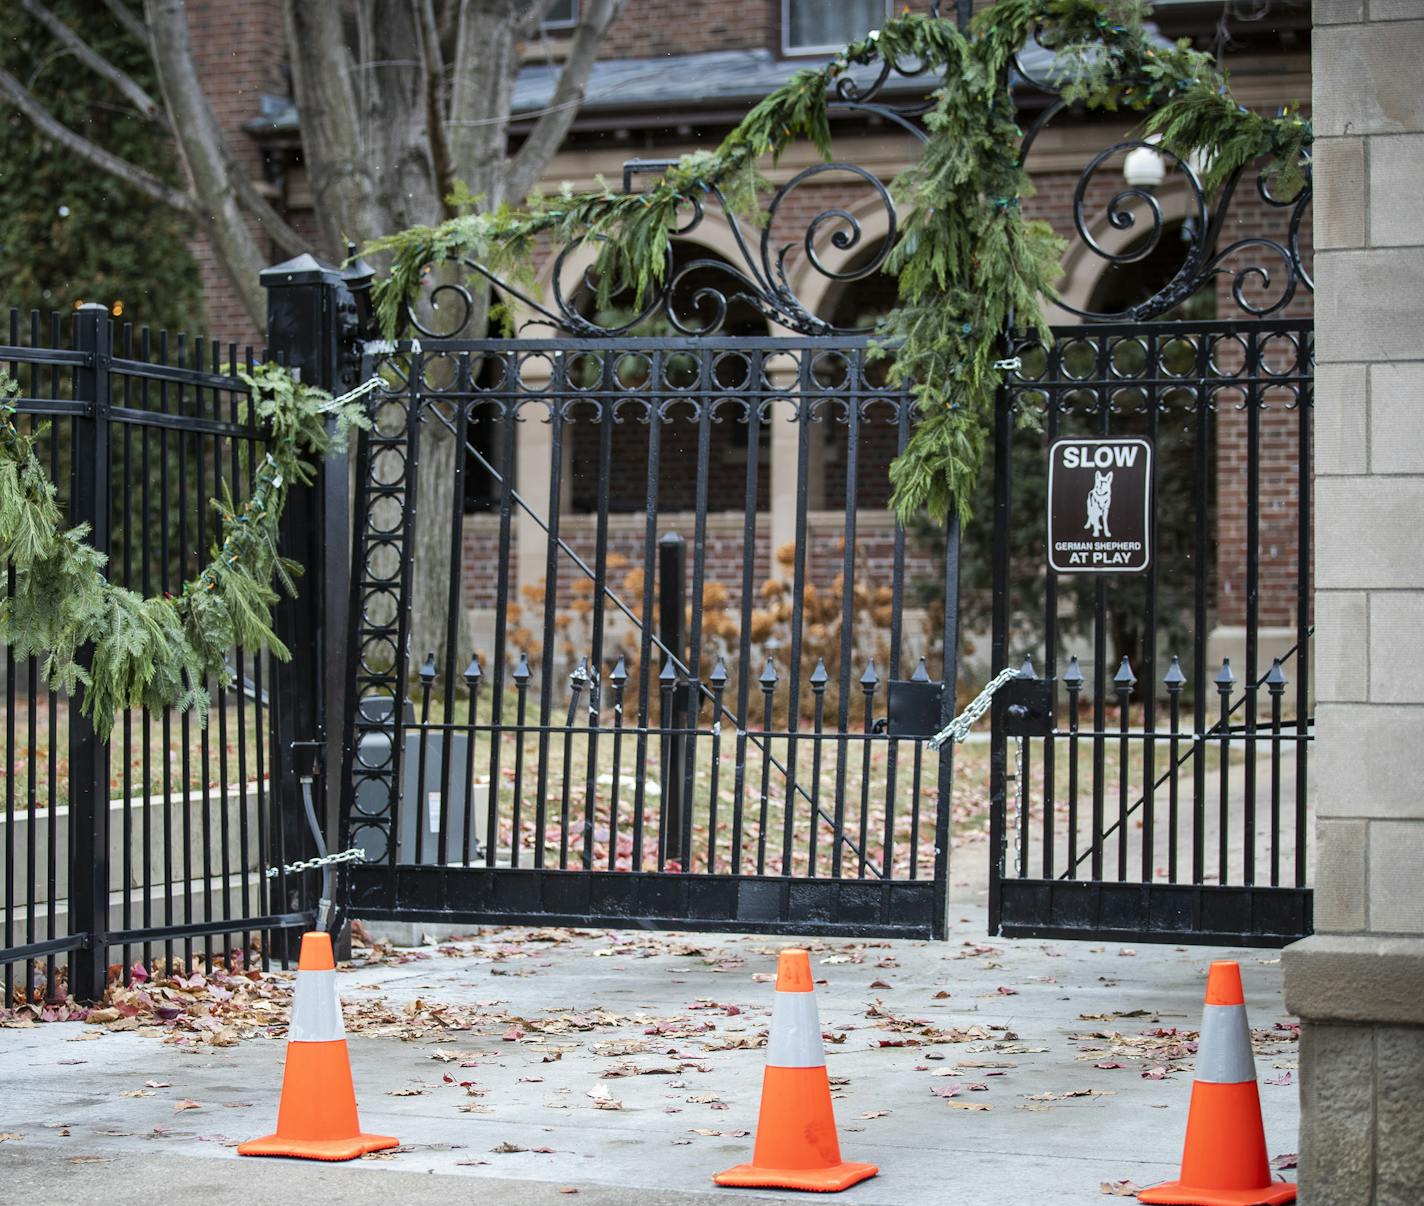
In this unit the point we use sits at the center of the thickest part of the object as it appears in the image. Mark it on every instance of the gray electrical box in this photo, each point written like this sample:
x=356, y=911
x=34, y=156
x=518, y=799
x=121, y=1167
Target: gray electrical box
x=417, y=808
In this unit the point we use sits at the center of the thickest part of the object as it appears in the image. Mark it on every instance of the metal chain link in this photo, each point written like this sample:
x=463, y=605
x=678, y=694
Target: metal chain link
x=958, y=728
x=1021, y=812
x=359, y=392
x=354, y=855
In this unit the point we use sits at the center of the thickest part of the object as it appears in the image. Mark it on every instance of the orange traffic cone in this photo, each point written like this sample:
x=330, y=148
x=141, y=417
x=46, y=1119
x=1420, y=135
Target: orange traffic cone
x=317, y=1116
x=796, y=1144
x=1224, y=1162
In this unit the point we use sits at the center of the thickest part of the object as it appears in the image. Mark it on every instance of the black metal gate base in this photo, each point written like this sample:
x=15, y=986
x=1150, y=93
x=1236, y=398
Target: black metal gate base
x=1179, y=913
x=650, y=900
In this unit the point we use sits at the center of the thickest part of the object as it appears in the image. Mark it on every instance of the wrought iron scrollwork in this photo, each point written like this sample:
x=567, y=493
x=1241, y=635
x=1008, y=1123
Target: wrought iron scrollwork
x=1258, y=289
x=696, y=297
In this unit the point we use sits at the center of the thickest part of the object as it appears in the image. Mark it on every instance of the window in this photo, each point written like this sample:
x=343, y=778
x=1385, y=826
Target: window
x=827, y=25
x=562, y=14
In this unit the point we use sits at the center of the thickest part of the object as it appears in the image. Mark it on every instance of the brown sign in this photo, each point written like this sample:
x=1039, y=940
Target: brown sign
x=1100, y=505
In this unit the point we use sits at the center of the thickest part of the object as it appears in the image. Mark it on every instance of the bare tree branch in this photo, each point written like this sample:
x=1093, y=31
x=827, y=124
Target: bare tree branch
x=533, y=157
x=261, y=209
x=96, y=62
x=434, y=64
x=146, y=182
x=205, y=152
x=125, y=17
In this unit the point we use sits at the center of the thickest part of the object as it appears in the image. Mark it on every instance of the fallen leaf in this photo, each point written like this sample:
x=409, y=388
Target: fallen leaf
x=602, y=1098
x=185, y=1103
x=504, y=1149
x=1285, y=1160
x=1119, y=1189
x=968, y=1105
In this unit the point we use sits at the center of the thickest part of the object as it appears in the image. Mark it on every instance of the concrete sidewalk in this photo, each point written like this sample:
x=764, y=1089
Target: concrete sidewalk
x=627, y=1066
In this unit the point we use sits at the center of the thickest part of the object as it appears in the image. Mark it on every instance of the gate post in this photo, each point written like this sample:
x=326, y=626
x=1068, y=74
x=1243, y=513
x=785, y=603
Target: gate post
x=88, y=756
x=311, y=323
x=672, y=631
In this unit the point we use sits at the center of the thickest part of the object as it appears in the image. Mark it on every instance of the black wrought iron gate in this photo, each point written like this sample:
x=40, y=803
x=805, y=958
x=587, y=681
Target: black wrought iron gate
x=1150, y=767
x=734, y=740
x=751, y=755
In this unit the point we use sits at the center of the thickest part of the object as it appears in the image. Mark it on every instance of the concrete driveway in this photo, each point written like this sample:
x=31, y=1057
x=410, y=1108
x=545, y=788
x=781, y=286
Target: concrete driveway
x=627, y=1066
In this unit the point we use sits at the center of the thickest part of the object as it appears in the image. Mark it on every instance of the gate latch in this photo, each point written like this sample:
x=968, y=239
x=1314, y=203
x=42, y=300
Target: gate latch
x=1024, y=707
x=915, y=708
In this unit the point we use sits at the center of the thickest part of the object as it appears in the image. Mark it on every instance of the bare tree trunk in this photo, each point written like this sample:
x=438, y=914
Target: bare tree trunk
x=201, y=143
x=482, y=72
x=399, y=100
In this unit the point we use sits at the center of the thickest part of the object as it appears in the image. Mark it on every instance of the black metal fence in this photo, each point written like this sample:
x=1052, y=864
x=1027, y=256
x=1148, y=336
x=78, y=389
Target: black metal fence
x=154, y=846
x=699, y=730
x=1153, y=783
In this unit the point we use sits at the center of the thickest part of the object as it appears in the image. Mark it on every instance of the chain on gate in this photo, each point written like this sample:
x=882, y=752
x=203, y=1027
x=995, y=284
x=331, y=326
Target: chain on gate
x=354, y=855
x=958, y=729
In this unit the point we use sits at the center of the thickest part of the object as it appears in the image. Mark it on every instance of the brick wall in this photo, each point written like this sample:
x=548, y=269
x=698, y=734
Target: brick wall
x=875, y=553
x=649, y=28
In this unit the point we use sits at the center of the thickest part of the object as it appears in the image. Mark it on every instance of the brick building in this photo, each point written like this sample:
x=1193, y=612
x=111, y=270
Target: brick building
x=673, y=77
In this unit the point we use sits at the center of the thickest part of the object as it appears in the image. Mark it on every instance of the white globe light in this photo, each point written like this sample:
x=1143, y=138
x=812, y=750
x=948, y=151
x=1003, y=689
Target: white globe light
x=1144, y=167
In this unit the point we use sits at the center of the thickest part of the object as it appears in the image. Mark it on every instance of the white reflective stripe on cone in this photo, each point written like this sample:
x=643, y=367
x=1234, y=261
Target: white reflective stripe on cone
x=1224, y=1046
x=795, y=1032
x=316, y=1013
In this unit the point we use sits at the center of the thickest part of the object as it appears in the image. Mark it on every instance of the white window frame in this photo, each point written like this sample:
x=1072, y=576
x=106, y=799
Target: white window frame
x=789, y=51
x=556, y=23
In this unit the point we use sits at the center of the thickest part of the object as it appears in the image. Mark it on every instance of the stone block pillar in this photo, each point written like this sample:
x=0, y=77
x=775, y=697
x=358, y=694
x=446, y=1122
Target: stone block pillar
x=1358, y=984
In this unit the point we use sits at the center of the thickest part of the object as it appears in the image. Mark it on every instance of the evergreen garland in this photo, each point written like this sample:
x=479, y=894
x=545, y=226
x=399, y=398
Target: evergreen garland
x=969, y=264
x=163, y=651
